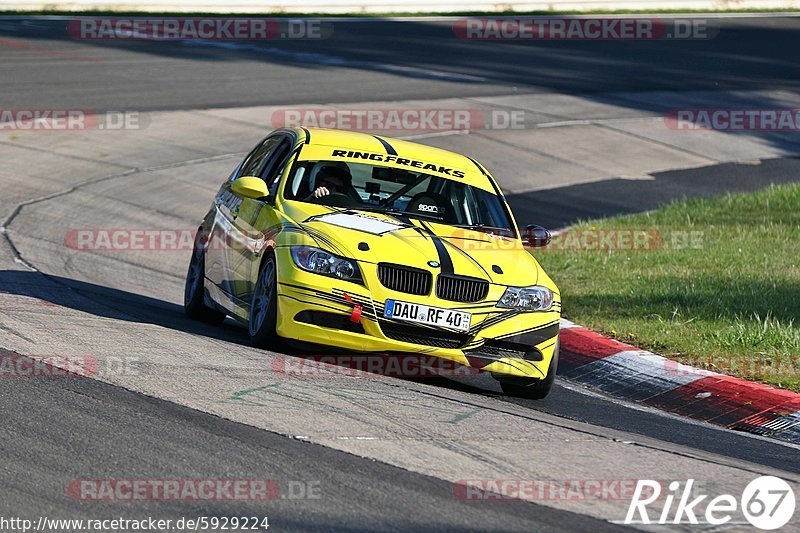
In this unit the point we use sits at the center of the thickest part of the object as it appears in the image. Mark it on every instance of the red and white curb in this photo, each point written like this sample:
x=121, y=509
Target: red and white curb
x=625, y=371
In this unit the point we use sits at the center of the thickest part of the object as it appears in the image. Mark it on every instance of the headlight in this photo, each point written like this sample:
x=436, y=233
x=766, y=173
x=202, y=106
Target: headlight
x=534, y=298
x=321, y=262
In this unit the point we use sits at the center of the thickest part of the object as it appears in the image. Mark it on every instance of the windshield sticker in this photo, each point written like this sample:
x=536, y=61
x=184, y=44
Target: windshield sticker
x=422, y=165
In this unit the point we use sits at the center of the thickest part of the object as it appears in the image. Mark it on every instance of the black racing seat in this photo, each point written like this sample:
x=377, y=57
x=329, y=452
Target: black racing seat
x=431, y=204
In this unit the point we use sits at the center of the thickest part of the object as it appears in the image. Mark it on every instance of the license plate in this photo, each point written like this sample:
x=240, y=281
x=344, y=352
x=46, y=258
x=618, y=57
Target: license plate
x=423, y=314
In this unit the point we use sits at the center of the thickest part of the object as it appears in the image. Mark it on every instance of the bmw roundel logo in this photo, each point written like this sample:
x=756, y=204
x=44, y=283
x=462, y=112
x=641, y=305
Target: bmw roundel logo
x=433, y=264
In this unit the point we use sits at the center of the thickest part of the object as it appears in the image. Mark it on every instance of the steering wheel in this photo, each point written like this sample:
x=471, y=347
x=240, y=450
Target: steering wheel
x=334, y=199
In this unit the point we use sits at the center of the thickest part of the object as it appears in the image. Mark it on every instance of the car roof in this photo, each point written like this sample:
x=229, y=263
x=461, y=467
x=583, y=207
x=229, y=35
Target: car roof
x=475, y=173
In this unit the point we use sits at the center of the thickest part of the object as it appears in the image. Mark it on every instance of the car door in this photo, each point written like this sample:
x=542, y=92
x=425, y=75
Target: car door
x=254, y=218
x=228, y=234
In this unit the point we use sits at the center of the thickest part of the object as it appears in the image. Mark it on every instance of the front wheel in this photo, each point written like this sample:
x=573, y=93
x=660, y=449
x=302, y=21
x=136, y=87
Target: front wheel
x=194, y=291
x=264, y=307
x=532, y=389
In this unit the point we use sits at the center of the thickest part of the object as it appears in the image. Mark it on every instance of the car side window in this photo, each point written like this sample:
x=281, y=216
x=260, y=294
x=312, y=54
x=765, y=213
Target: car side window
x=273, y=169
x=256, y=162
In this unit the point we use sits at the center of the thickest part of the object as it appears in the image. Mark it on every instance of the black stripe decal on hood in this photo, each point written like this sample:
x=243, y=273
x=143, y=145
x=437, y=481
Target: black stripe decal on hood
x=469, y=257
x=446, y=243
x=444, y=256
x=388, y=147
x=445, y=261
x=405, y=218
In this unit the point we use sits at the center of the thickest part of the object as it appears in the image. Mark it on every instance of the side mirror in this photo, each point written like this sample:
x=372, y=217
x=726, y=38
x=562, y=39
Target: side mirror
x=536, y=236
x=250, y=187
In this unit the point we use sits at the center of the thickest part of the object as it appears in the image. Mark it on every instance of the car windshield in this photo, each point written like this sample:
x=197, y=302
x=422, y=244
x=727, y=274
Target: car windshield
x=398, y=191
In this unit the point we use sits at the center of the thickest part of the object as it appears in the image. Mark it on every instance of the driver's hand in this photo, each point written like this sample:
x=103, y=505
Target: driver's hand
x=321, y=191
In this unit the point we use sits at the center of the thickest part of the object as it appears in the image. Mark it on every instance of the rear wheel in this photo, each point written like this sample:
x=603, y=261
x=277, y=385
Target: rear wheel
x=264, y=307
x=533, y=389
x=194, y=292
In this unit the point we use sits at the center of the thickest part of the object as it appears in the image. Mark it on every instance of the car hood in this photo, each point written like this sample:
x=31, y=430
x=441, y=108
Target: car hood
x=378, y=237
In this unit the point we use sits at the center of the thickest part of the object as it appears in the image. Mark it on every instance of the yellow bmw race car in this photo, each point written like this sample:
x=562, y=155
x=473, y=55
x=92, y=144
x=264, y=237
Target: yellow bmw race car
x=371, y=244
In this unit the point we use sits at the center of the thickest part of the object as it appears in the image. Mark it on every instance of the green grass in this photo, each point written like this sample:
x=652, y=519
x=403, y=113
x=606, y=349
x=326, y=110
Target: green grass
x=721, y=292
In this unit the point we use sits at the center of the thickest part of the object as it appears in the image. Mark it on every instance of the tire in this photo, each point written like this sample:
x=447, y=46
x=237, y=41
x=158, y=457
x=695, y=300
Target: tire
x=194, y=304
x=264, y=307
x=532, y=389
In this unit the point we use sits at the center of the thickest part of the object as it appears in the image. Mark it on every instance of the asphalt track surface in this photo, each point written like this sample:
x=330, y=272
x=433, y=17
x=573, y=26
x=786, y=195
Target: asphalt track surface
x=57, y=430
x=55, y=70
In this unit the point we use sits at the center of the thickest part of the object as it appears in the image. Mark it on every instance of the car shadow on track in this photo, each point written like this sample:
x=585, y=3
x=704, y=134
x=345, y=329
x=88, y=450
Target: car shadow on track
x=19, y=289
x=26, y=289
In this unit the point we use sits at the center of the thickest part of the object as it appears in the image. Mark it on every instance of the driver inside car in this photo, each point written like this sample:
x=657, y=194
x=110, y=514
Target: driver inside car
x=331, y=180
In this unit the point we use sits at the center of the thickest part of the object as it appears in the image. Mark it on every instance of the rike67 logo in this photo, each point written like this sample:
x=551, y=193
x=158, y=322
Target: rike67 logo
x=767, y=503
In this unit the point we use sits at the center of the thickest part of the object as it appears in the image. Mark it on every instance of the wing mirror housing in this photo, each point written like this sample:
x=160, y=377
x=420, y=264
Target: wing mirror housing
x=250, y=187
x=536, y=236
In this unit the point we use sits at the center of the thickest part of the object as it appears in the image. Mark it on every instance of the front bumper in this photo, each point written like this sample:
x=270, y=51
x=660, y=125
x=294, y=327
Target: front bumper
x=320, y=310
